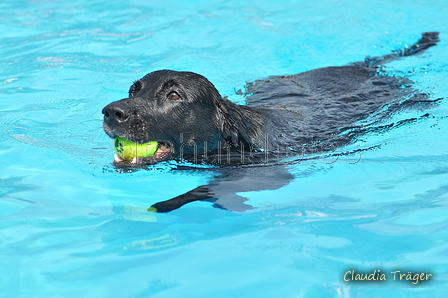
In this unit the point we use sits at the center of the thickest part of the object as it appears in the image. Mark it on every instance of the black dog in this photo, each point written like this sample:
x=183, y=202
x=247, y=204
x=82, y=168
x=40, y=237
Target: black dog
x=284, y=116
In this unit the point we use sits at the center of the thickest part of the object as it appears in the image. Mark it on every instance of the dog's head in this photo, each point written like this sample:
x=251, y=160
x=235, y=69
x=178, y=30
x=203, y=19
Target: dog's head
x=183, y=111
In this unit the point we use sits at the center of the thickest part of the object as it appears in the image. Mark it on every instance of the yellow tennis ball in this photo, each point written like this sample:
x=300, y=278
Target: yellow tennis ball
x=129, y=150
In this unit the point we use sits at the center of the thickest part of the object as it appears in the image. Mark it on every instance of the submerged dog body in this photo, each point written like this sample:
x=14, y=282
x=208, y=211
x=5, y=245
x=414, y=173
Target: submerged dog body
x=284, y=115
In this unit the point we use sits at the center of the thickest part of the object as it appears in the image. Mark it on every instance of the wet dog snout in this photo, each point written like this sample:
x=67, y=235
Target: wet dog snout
x=115, y=112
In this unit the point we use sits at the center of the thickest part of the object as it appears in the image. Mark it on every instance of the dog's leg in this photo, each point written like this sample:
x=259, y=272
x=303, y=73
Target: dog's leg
x=222, y=191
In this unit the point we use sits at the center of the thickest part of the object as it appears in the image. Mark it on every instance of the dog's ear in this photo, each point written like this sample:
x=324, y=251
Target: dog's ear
x=231, y=124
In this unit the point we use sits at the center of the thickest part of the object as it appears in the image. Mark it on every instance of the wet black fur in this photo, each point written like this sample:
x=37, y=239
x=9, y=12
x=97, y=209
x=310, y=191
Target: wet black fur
x=283, y=114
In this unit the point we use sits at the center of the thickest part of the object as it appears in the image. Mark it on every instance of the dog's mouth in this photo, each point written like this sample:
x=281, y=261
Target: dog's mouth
x=163, y=152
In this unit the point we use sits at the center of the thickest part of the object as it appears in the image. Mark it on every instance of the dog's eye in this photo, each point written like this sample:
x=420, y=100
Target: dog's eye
x=174, y=96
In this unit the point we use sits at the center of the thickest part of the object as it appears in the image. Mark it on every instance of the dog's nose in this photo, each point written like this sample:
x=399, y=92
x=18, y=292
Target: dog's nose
x=115, y=112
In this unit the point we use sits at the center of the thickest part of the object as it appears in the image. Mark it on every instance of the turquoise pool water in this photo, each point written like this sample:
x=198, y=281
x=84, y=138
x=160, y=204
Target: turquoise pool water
x=70, y=226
